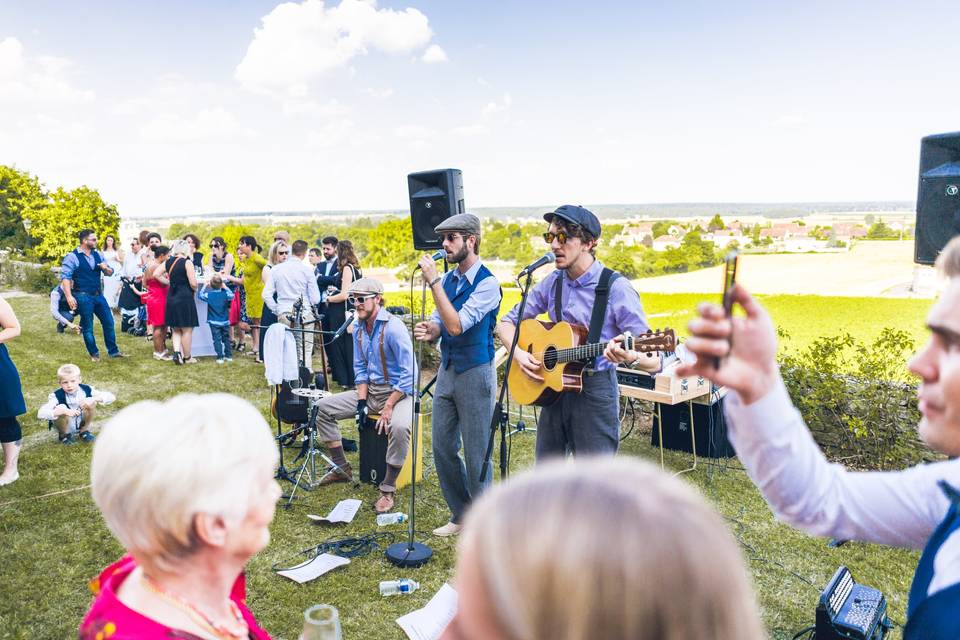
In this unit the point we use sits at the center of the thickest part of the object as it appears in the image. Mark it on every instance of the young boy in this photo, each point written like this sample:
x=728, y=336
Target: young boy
x=218, y=299
x=71, y=408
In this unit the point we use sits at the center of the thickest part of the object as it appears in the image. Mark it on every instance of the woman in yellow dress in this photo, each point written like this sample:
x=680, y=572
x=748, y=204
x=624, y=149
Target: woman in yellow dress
x=252, y=263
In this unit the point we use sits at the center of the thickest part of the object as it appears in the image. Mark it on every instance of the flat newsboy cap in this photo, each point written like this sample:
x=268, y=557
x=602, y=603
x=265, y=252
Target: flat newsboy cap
x=366, y=285
x=577, y=215
x=466, y=222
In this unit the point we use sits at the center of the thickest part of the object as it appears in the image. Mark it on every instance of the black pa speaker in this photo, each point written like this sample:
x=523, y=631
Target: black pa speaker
x=710, y=429
x=434, y=197
x=938, y=196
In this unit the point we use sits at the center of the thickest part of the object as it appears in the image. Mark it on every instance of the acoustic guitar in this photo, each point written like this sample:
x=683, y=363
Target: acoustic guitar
x=562, y=350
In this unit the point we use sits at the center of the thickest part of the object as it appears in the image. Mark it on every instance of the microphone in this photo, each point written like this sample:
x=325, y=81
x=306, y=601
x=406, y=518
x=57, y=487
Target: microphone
x=343, y=327
x=439, y=253
x=546, y=259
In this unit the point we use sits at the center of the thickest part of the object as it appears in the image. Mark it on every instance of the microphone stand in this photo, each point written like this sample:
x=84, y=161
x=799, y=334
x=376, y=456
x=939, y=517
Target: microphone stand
x=411, y=553
x=500, y=417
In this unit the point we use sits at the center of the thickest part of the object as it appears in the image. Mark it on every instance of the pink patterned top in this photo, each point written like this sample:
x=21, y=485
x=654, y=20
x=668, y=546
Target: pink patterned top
x=110, y=619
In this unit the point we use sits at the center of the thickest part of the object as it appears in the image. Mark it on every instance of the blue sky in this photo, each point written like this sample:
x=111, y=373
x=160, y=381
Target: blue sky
x=192, y=107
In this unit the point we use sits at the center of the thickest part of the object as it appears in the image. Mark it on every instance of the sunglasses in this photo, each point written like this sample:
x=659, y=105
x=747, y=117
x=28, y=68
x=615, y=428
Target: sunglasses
x=361, y=299
x=215, y=246
x=562, y=237
x=282, y=253
x=449, y=237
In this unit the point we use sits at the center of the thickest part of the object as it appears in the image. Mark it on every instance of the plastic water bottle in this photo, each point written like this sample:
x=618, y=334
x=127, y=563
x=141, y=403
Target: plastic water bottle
x=321, y=622
x=391, y=518
x=397, y=587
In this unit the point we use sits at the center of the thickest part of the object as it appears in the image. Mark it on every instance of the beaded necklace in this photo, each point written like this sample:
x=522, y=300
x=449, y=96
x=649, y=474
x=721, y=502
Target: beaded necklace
x=219, y=630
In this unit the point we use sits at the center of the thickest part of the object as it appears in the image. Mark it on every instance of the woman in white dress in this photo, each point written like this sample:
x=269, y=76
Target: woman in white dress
x=114, y=257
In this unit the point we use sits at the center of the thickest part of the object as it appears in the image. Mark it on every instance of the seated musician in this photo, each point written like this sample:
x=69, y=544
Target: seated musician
x=585, y=422
x=383, y=364
x=914, y=508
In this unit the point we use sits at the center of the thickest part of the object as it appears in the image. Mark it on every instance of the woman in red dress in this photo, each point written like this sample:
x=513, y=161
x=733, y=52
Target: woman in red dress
x=155, y=279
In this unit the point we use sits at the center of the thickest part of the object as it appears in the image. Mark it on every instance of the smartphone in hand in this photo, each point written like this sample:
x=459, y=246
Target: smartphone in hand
x=729, y=279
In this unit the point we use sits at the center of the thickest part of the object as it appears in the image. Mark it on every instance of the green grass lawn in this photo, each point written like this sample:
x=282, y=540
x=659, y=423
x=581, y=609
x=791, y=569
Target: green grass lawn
x=54, y=540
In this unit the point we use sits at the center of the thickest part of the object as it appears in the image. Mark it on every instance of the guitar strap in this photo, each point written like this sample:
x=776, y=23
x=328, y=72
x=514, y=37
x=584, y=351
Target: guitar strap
x=602, y=292
x=607, y=276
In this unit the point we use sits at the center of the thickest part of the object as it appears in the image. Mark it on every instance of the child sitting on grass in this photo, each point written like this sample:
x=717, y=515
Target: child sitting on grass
x=71, y=408
x=218, y=299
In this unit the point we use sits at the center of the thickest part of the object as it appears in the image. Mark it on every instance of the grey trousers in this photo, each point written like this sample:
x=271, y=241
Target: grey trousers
x=582, y=423
x=462, y=410
x=344, y=405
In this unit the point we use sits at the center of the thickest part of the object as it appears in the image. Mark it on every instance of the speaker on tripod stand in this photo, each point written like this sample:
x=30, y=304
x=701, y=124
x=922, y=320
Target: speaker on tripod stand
x=938, y=196
x=434, y=196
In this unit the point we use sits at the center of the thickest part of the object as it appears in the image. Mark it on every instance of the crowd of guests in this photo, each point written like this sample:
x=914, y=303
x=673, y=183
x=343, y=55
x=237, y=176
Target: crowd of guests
x=159, y=283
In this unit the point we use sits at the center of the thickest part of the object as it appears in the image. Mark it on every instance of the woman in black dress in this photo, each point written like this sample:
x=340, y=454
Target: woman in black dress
x=340, y=351
x=11, y=397
x=181, y=315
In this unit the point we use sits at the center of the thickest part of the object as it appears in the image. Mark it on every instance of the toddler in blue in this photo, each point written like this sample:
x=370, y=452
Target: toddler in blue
x=218, y=299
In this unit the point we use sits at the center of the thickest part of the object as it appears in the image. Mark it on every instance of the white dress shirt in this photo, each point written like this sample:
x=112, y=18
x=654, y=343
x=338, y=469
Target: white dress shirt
x=898, y=508
x=291, y=280
x=73, y=402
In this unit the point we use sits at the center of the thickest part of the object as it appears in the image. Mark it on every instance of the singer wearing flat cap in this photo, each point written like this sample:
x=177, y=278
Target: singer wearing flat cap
x=468, y=301
x=585, y=422
x=383, y=365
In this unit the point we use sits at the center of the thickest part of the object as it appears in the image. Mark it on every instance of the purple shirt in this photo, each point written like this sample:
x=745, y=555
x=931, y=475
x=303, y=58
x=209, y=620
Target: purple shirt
x=624, y=311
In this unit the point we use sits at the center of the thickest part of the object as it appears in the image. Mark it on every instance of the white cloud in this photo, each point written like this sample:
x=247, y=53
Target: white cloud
x=329, y=109
x=215, y=123
x=299, y=43
x=380, y=94
x=434, y=54
x=413, y=132
x=471, y=130
x=332, y=134
x=36, y=81
x=493, y=108
x=483, y=82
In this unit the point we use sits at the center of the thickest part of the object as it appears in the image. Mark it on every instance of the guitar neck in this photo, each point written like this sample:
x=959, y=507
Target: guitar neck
x=582, y=352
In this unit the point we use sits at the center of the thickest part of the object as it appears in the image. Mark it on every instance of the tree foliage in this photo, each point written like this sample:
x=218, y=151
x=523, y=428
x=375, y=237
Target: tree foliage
x=55, y=227
x=21, y=197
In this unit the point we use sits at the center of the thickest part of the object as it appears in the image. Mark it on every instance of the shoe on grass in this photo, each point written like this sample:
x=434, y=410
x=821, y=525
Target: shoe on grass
x=86, y=436
x=343, y=474
x=219, y=360
x=162, y=356
x=447, y=530
x=191, y=360
x=177, y=358
x=229, y=359
x=68, y=439
x=95, y=358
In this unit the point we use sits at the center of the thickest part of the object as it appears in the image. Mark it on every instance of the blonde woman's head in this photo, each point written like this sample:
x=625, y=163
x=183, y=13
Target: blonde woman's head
x=279, y=250
x=600, y=548
x=181, y=249
x=176, y=478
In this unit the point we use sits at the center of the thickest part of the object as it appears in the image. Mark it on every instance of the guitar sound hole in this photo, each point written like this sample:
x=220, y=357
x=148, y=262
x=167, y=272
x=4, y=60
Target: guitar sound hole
x=550, y=358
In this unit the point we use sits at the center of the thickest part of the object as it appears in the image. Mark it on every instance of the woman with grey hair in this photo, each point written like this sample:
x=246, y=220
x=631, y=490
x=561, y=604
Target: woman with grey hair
x=188, y=520
x=592, y=556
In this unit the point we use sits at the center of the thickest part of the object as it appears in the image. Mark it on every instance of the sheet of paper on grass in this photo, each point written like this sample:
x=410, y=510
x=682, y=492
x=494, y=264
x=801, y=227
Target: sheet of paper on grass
x=343, y=512
x=314, y=568
x=430, y=621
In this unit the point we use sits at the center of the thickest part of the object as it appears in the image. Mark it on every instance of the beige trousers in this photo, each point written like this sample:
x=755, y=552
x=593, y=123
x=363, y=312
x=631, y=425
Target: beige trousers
x=344, y=405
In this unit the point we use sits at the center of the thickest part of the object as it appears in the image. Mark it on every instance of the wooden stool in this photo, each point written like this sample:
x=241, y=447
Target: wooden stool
x=373, y=454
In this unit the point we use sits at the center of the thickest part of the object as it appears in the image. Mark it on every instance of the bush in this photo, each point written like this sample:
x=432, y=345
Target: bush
x=857, y=399
x=26, y=276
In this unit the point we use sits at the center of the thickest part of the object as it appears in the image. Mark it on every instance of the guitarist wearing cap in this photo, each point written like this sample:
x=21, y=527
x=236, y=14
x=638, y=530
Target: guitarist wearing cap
x=585, y=422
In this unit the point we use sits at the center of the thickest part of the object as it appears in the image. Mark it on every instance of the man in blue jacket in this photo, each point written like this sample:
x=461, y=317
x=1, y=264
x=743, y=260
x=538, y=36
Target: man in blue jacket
x=80, y=275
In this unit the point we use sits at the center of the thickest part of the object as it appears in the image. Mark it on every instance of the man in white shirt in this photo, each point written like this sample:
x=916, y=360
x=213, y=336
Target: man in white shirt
x=914, y=508
x=133, y=260
x=293, y=281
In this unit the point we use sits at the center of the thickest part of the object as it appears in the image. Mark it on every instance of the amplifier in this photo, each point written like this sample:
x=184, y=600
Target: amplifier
x=710, y=428
x=851, y=611
x=639, y=379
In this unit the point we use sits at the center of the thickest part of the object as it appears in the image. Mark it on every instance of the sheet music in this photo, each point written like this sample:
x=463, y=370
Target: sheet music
x=312, y=569
x=343, y=512
x=430, y=621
